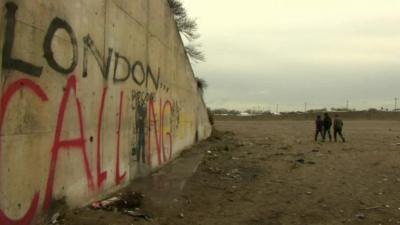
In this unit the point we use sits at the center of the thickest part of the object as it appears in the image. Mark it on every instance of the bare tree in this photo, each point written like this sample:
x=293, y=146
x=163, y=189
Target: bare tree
x=177, y=8
x=194, y=53
x=188, y=28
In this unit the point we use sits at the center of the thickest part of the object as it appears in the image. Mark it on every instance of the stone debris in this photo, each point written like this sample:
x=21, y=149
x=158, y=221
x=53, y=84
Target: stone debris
x=138, y=214
x=215, y=170
x=360, y=216
x=234, y=174
x=285, y=147
x=56, y=218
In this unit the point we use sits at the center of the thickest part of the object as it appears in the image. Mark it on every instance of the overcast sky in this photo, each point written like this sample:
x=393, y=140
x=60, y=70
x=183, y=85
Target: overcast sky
x=260, y=53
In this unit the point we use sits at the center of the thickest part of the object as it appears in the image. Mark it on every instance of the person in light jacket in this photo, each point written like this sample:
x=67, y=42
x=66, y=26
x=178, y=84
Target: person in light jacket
x=337, y=128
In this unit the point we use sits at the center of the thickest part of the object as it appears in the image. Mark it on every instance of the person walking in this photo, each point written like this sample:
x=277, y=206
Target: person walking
x=319, y=124
x=337, y=128
x=327, y=127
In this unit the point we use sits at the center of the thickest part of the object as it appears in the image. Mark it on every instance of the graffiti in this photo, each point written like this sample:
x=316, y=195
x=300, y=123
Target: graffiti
x=134, y=74
x=139, y=98
x=127, y=63
x=163, y=154
x=60, y=144
x=101, y=175
x=55, y=25
x=140, y=116
x=28, y=68
x=118, y=177
x=89, y=45
x=154, y=123
x=134, y=70
x=139, y=105
x=8, y=61
x=166, y=153
x=67, y=144
x=143, y=104
x=5, y=100
x=175, y=118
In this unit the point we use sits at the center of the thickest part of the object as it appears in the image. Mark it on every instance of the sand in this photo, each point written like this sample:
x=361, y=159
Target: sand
x=274, y=173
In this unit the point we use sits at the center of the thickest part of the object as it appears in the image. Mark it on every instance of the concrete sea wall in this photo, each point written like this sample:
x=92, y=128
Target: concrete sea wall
x=93, y=94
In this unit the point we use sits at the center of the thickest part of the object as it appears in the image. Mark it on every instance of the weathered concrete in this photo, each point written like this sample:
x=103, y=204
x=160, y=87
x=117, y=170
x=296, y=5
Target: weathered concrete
x=94, y=94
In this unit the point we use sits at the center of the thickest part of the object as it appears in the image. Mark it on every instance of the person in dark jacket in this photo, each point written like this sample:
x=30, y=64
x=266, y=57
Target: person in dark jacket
x=337, y=128
x=319, y=124
x=327, y=126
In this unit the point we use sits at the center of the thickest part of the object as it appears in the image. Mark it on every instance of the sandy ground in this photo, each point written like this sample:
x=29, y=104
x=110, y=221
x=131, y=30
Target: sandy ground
x=273, y=173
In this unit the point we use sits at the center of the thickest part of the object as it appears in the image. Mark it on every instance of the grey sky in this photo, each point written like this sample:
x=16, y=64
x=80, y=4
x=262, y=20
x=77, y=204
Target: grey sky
x=266, y=52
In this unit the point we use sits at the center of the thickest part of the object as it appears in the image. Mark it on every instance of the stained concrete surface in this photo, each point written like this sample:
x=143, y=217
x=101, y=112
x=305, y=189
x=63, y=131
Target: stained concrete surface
x=94, y=94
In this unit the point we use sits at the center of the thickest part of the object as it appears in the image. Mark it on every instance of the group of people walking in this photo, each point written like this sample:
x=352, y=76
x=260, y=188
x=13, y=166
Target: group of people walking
x=323, y=127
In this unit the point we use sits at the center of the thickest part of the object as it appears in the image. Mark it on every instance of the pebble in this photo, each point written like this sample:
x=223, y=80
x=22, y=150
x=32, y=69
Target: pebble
x=360, y=216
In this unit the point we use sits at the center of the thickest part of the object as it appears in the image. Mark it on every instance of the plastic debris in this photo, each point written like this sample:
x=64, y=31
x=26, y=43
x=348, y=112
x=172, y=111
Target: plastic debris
x=129, y=200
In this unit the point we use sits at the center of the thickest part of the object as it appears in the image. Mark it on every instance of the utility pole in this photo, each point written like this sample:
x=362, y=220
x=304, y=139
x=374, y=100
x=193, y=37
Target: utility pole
x=347, y=105
x=305, y=106
x=395, y=104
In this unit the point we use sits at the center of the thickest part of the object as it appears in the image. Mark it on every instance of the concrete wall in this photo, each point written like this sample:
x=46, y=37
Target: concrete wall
x=93, y=94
